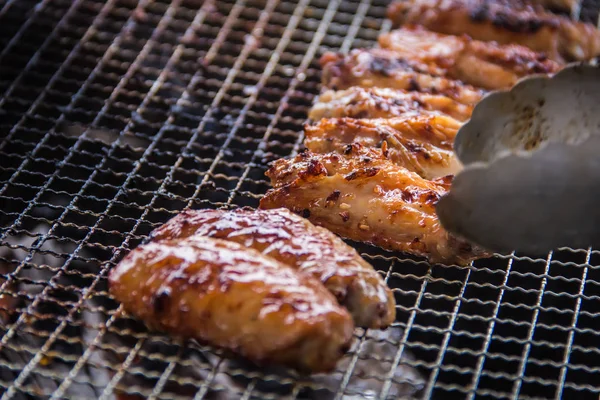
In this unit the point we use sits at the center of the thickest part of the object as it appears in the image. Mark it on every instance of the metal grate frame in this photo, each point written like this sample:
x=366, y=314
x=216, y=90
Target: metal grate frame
x=116, y=115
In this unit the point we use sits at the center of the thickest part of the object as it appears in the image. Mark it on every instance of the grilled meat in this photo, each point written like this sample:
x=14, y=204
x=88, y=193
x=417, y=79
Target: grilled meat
x=505, y=22
x=294, y=241
x=419, y=143
x=358, y=102
x=236, y=298
x=384, y=69
x=482, y=64
x=378, y=202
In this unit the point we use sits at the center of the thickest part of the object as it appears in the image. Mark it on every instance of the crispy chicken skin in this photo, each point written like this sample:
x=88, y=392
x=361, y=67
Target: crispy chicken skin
x=505, y=22
x=483, y=64
x=294, y=241
x=419, y=143
x=384, y=69
x=357, y=102
x=378, y=202
x=233, y=297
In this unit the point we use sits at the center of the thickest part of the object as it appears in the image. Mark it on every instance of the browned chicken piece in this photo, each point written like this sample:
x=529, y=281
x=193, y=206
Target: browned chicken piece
x=294, y=241
x=419, y=143
x=378, y=202
x=505, y=22
x=384, y=69
x=482, y=64
x=357, y=102
x=233, y=297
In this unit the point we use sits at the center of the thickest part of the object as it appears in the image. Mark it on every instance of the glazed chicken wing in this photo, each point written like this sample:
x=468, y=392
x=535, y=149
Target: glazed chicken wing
x=294, y=241
x=419, y=143
x=357, y=102
x=482, y=64
x=236, y=298
x=384, y=69
x=505, y=22
x=376, y=201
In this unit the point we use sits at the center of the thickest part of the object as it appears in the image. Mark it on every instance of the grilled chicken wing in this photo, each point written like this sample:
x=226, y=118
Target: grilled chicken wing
x=294, y=241
x=482, y=64
x=384, y=69
x=505, y=22
x=419, y=143
x=358, y=102
x=378, y=202
x=236, y=298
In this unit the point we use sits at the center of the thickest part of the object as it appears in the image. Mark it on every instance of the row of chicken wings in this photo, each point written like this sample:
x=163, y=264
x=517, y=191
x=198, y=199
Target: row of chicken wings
x=379, y=153
x=276, y=285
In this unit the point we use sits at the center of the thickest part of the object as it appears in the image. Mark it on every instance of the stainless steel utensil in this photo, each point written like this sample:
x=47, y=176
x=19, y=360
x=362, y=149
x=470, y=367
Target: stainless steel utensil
x=531, y=156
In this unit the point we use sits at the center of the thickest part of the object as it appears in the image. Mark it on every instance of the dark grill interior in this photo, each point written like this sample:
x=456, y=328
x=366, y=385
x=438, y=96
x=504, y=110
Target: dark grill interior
x=115, y=115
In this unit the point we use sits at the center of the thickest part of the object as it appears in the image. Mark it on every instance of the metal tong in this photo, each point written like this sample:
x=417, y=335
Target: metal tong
x=531, y=158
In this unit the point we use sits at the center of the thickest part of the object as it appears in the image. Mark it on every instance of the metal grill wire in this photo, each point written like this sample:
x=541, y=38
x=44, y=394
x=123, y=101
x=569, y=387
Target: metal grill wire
x=117, y=114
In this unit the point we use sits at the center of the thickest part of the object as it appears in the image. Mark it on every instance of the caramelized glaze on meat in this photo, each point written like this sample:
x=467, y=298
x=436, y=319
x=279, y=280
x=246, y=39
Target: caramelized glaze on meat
x=505, y=22
x=378, y=203
x=384, y=69
x=483, y=64
x=233, y=297
x=419, y=143
x=294, y=241
x=357, y=102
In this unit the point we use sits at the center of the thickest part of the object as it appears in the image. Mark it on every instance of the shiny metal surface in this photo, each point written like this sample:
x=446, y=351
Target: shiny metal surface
x=530, y=166
x=538, y=110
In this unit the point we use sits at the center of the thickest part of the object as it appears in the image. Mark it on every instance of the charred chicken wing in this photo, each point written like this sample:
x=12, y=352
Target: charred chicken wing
x=236, y=298
x=419, y=143
x=482, y=64
x=375, y=201
x=505, y=22
x=294, y=241
x=357, y=102
x=385, y=69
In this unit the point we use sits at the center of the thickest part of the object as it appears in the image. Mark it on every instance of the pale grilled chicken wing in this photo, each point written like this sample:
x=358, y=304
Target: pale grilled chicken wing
x=233, y=297
x=294, y=241
x=505, y=22
x=357, y=102
x=384, y=69
x=419, y=143
x=375, y=201
x=482, y=64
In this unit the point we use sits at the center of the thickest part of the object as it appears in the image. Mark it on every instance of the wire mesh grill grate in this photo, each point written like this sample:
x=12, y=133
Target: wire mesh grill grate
x=117, y=114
